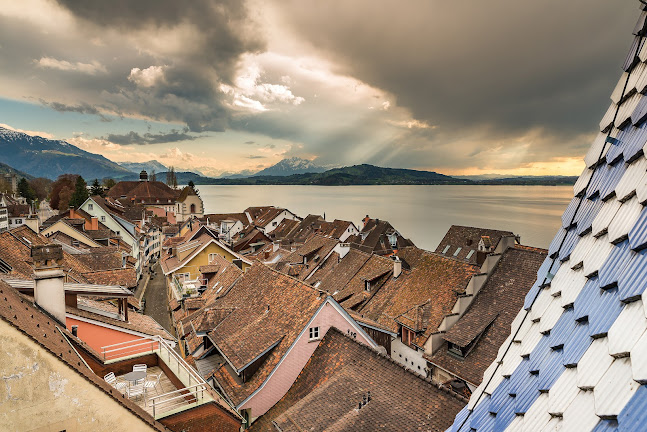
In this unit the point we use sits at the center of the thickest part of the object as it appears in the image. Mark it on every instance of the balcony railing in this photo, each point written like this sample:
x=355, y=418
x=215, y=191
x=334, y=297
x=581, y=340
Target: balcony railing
x=195, y=391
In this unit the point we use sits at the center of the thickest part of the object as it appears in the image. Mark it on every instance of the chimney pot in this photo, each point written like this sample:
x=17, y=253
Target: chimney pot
x=49, y=289
x=75, y=330
x=397, y=267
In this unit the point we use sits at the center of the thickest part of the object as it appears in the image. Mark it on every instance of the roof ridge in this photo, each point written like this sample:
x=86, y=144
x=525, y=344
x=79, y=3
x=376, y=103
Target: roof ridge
x=400, y=366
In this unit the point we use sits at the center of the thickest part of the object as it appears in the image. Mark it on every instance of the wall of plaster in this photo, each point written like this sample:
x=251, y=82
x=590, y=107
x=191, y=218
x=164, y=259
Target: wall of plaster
x=41, y=393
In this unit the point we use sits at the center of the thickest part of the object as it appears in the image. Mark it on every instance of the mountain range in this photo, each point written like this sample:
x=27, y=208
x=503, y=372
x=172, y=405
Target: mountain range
x=150, y=166
x=41, y=157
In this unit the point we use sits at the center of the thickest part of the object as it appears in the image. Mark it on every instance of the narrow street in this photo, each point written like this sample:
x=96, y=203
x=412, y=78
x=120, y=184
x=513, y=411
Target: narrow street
x=156, y=302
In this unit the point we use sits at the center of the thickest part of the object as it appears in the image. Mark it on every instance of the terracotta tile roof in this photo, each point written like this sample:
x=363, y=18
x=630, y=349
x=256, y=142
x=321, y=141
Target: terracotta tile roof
x=46, y=332
x=467, y=238
x=375, y=238
x=421, y=297
x=185, y=193
x=334, y=229
x=101, y=258
x=487, y=320
x=340, y=373
x=410, y=256
x=170, y=229
x=136, y=321
x=220, y=282
x=251, y=235
x=216, y=218
x=284, y=229
x=376, y=270
x=125, y=277
x=268, y=308
x=209, y=268
x=149, y=191
x=193, y=303
x=314, y=251
x=267, y=216
x=18, y=210
x=343, y=272
x=15, y=245
x=174, y=304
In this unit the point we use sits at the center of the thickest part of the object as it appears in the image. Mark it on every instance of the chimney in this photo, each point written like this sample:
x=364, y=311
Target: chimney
x=94, y=223
x=397, y=267
x=75, y=331
x=33, y=223
x=365, y=220
x=72, y=213
x=49, y=290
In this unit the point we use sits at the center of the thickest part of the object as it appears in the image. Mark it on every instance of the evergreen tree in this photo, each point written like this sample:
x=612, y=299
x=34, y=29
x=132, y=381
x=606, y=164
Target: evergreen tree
x=171, y=179
x=153, y=176
x=26, y=191
x=96, y=188
x=108, y=183
x=80, y=193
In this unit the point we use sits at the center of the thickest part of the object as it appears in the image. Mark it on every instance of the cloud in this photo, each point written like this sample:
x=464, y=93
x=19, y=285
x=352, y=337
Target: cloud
x=91, y=68
x=147, y=77
x=250, y=142
x=256, y=157
x=175, y=154
x=149, y=138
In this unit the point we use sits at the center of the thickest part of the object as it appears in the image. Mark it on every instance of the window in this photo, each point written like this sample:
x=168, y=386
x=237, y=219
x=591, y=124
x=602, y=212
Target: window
x=18, y=221
x=446, y=249
x=458, y=250
x=273, y=223
x=314, y=333
x=407, y=336
x=90, y=206
x=367, y=286
x=469, y=255
x=212, y=256
x=103, y=218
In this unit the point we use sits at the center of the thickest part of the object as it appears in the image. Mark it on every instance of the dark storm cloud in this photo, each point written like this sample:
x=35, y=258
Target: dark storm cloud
x=514, y=64
x=186, y=87
x=149, y=138
x=82, y=108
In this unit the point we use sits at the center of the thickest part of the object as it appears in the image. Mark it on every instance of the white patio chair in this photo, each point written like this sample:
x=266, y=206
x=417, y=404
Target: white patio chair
x=137, y=389
x=152, y=384
x=140, y=367
x=112, y=380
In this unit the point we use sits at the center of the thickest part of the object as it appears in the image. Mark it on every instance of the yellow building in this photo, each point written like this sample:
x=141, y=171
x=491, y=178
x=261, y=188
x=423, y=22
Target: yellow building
x=182, y=259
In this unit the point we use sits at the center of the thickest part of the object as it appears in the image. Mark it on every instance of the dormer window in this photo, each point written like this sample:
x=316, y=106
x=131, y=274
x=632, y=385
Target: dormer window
x=456, y=350
x=408, y=336
x=367, y=286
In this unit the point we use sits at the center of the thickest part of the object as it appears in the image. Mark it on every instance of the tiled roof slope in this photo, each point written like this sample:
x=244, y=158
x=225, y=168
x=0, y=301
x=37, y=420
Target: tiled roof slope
x=467, y=238
x=487, y=320
x=576, y=359
x=314, y=251
x=333, y=280
x=267, y=307
x=15, y=246
x=33, y=322
x=376, y=271
x=340, y=373
x=421, y=297
x=125, y=277
x=375, y=238
x=150, y=191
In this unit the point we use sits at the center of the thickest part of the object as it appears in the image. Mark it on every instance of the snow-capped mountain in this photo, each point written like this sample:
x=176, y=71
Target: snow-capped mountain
x=150, y=166
x=42, y=157
x=291, y=166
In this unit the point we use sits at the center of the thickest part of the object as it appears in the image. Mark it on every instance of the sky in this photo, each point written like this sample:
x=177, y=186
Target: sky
x=226, y=86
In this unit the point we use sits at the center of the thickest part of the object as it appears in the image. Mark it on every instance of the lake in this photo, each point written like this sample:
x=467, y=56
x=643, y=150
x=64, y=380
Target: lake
x=421, y=213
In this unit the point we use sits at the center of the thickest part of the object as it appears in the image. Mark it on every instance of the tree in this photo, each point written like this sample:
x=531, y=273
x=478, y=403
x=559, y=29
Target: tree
x=96, y=188
x=80, y=193
x=64, y=181
x=108, y=183
x=171, y=179
x=153, y=176
x=41, y=186
x=5, y=186
x=26, y=191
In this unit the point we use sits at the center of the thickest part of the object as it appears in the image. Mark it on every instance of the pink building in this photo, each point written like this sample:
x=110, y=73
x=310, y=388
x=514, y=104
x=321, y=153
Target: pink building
x=252, y=341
